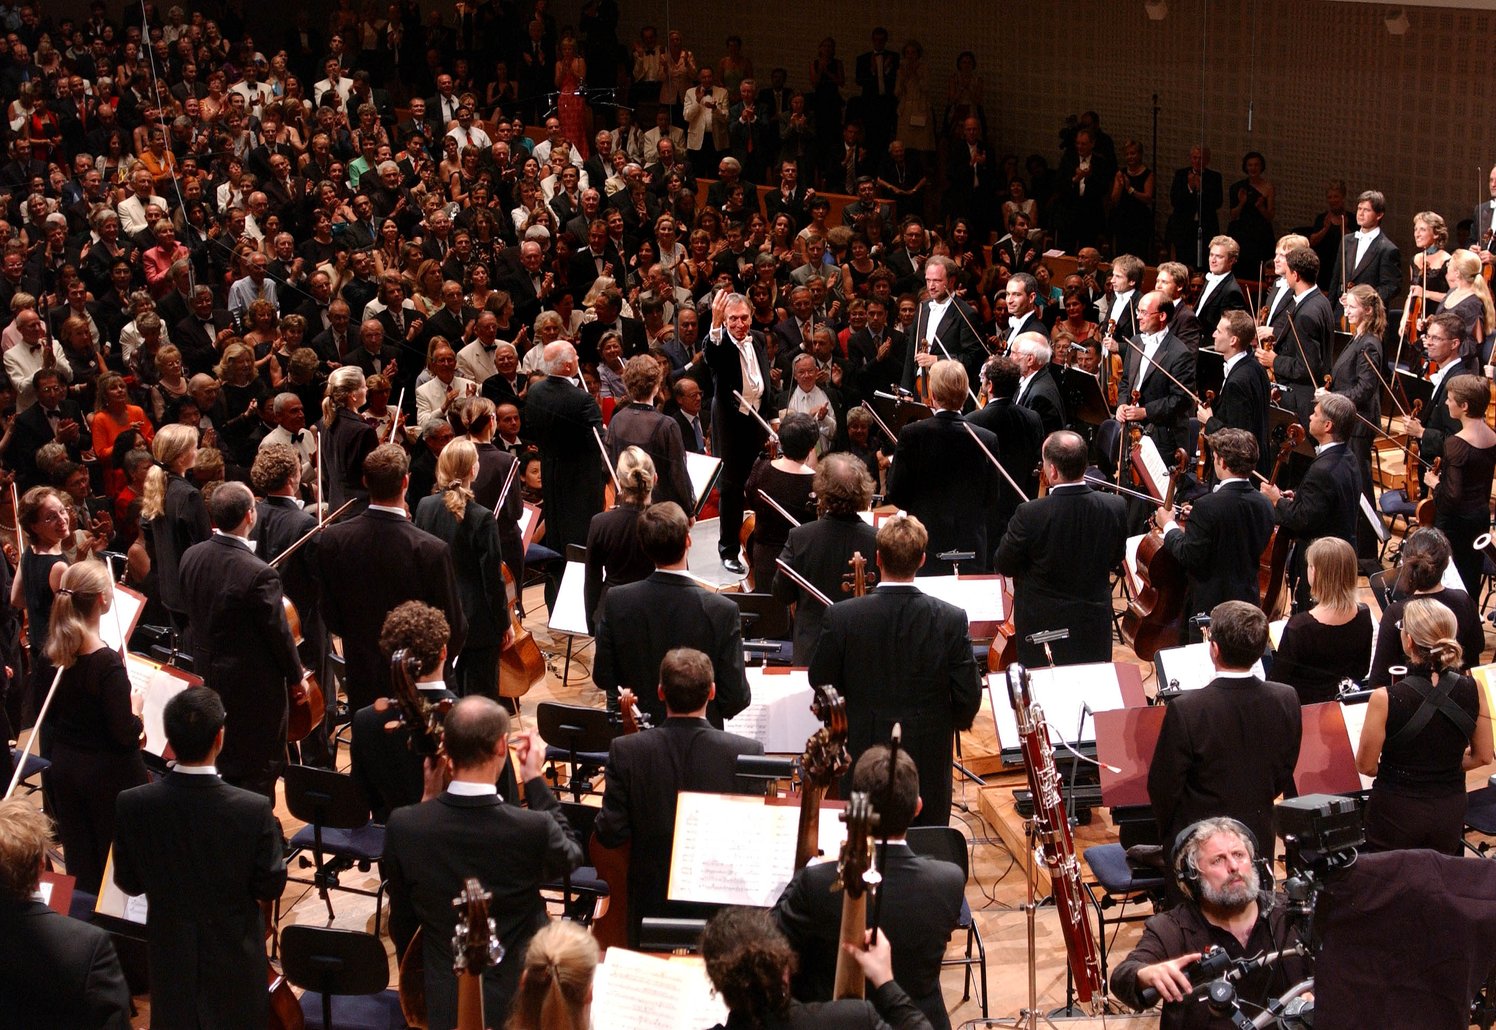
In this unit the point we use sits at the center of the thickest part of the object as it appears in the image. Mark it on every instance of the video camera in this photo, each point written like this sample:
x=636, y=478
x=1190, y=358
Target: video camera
x=1320, y=833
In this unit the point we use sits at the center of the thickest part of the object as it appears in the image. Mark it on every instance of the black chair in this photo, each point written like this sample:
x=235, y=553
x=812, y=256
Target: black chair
x=582, y=889
x=34, y=766
x=339, y=833
x=577, y=735
x=949, y=845
x=348, y=964
x=1480, y=816
x=772, y=628
x=1119, y=882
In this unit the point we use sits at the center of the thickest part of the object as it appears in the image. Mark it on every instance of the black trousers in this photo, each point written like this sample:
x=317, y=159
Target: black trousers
x=1397, y=821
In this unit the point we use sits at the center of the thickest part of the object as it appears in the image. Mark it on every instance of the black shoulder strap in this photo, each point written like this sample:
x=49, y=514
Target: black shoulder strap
x=1435, y=699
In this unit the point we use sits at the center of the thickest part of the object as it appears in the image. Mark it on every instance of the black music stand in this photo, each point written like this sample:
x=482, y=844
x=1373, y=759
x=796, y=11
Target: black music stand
x=1210, y=370
x=1083, y=397
x=897, y=413
x=1413, y=388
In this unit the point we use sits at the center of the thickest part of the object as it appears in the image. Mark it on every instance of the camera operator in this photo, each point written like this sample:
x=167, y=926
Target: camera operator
x=1215, y=866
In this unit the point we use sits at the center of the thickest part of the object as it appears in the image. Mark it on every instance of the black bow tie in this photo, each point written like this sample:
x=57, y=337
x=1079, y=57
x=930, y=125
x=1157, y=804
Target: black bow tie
x=296, y=436
x=54, y=413
x=489, y=348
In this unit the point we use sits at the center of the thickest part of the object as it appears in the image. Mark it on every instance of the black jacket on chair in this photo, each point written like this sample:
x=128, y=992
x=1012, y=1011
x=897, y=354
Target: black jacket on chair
x=646, y=772
x=205, y=854
x=901, y=656
x=640, y=622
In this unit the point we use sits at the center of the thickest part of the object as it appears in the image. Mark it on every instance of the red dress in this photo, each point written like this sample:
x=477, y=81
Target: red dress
x=571, y=110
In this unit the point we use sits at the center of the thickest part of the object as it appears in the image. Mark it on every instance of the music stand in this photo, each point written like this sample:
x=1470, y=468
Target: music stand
x=1413, y=388
x=897, y=413
x=1278, y=421
x=1210, y=370
x=1082, y=395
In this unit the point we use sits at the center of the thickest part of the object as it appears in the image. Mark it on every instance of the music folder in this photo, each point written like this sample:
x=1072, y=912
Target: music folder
x=1210, y=370
x=1413, y=388
x=703, y=470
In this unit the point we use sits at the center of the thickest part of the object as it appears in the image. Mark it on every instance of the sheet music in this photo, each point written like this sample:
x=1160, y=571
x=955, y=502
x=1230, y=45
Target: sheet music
x=114, y=902
x=1355, y=718
x=159, y=683
x=570, y=613
x=702, y=470
x=779, y=716
x=733, y=849
x=1275, y=633
x=1154, y=467
x=1191, y=666
x=1130, y=563
x=982, y=599
x=1061, y=692
x=526, y=522
x=121, y=618
x=634, y=991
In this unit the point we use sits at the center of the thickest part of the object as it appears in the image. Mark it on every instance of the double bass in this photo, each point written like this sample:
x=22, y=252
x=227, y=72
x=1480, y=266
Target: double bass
x=1272, y=567
x=475, y=947
x=824, y=762
x=521, y=665
x=1155, y=617
x=856, y=874
x=858, y=577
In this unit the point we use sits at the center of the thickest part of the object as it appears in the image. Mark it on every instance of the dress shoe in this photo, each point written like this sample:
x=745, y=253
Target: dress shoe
x=734, y=566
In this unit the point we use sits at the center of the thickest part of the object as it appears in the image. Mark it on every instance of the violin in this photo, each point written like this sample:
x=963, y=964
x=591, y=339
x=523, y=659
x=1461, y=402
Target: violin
x=1412, y=480
x=1154, y=617
x=521, y=665
x=824, y=762
x=1113, y=366
x=1272, y=566
x=858, y=577
x=612, y=864
x=856, y=873
x=922, y=376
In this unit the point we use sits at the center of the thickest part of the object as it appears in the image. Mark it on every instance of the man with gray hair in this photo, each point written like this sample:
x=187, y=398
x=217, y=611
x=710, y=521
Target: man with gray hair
x=738, y=358
x=289, y=413
x=565, y=421
x=1037, y=389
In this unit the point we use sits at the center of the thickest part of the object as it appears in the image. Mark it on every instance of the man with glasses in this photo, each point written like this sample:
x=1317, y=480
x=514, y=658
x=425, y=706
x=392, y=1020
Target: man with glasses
x=1441, y=339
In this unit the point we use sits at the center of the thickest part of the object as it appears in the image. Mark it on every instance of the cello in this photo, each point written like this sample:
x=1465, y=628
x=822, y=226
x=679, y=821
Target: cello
x=1425, y=513
x=824, y=762
x=521, y=665
x=858, y=577
x=1200, y=448
x=1154, y=617
x=856, y=874
x=475, y=947
x=612, y=864
x=1272, y=567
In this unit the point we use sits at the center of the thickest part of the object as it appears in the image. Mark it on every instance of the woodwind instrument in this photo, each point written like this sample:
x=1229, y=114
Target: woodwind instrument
x=1052, y=837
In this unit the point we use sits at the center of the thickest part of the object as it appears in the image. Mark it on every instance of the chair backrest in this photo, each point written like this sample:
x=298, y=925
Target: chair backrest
x=574, y=728
x=325, y=798
x=943, y=842
x=771, y=616
x=337, y=670
x=332, y=961
x=582, y=817
x=576, y=553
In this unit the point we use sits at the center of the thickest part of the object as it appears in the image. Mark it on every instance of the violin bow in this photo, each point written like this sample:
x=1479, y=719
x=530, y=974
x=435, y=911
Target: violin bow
x=779, y=508
x=971, y=431
x=756, y=416
x=607, y=463
x=321, y=525
x=1159, y=368
x=1387, y=386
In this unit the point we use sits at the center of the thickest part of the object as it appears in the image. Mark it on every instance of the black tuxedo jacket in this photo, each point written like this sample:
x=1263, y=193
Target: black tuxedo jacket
x=1323, y=504
x=242, y=648
x=370, y=564
x=206, y=854
x=561, y=419
x=775, y=202
x=58, y=972
x=736, y=438
x=941, y=477
x=280, y=524
x=382, y=762
x=1227, y=296
x=1437, y=425
x=920, y=911
x=955, y=332
x=867, y=76
x=1060, y=550
x=32, y=431
x=645, y=773
x=901, y=656
x=1021, y=432
x=1041, y=396
x=639, y=622
x=199, y=347
x=1243, y=404
x=910, y=275
x=634, y=340
x=1168, y=406
x=450, y=327
x=431, y=848
x=1380, y=267
x=1186, y=325
x=1303, y=333
x=819, y=551
x=1356, y=378
x=1220, y=546
x=1227, y=749
x=346, y=442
